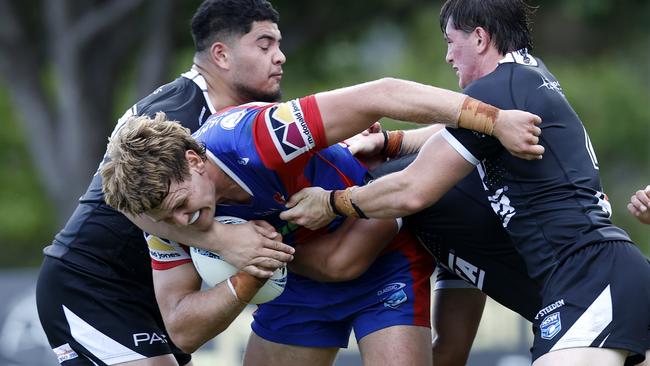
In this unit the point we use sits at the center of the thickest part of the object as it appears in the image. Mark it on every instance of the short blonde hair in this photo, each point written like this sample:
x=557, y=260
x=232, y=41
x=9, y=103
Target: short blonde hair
x=144, y=157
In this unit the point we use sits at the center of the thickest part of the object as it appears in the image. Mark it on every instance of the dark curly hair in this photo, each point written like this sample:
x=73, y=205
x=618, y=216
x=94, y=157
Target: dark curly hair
x=219, y=19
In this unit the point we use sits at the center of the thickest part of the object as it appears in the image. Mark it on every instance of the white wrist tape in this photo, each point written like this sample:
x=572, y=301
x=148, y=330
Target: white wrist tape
x=232, y=289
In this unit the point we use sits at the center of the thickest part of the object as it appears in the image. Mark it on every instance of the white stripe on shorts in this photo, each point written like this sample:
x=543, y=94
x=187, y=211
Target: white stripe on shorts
x=97, y=343
x=444, y=284
x=590, y=324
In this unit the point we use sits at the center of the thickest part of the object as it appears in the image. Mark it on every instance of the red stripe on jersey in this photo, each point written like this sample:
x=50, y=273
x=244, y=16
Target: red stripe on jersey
x=315, y=120
x=422, y=265
x=161, y=266
x=164, y=265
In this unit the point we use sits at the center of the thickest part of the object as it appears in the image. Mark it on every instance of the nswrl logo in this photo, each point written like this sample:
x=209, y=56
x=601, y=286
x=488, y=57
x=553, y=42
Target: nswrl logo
x=551, y=326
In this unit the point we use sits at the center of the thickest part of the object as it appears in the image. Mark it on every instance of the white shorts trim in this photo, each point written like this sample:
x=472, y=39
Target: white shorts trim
x=590, y=324
x=97, y=343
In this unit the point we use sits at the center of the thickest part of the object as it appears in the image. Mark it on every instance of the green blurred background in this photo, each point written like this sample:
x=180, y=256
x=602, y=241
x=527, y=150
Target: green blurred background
x=69, y=69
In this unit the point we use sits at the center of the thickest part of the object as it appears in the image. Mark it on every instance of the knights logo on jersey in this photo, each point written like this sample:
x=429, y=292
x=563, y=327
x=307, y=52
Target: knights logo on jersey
x=289, y=130
x=551, y=326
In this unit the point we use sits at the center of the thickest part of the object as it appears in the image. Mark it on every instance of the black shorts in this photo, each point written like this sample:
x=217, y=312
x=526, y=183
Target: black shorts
x=598, y=297
x=494, y=267
x=93, y=319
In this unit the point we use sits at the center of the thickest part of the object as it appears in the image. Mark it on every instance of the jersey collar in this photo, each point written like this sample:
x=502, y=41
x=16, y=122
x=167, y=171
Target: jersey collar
x=198, y=79
x=521, y=57
x=229, y=172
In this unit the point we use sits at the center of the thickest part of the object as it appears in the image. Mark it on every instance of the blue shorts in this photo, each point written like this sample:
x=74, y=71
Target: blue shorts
x=395, y=290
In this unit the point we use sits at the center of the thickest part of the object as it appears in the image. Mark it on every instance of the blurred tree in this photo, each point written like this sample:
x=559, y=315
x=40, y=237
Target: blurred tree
x=63, y=61
x=71, y=68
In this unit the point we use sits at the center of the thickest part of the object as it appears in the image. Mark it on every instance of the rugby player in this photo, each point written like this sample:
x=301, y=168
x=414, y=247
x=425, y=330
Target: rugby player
x=255, y=156
x=553, y=209
x=95, y=294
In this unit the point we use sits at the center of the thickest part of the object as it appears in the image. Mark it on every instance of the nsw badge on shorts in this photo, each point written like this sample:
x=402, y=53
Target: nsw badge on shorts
x=551, y=326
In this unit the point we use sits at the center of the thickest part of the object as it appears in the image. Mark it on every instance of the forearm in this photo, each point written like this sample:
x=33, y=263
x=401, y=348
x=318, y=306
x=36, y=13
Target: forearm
x=348, y=111
x=202, y=315
x=414, y=139
x=436, y=169
x=208, y=239
x=345, y=254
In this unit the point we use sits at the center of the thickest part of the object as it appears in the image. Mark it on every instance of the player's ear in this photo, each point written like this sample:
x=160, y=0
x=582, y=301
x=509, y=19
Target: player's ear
x=482, y=39
x=219, y=54
x=195, y=161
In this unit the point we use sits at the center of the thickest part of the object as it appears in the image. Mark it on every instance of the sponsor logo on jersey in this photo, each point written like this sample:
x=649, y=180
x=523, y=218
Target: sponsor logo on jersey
x=65, y=353
x=551, y=85
x=289, y=130
x=391, y=287
x=393, y=295
x=466, y=270
x=551, y=326
x=501, y=205
x=164, y=250
x=243, y=161
x=554, y=306
x=148, y=338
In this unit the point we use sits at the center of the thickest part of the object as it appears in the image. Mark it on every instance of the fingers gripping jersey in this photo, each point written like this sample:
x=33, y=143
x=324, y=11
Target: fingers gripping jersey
x=272, y=151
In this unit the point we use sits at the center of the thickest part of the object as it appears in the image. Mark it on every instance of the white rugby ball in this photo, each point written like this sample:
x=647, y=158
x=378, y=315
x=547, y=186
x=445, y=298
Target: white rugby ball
x=213, y=269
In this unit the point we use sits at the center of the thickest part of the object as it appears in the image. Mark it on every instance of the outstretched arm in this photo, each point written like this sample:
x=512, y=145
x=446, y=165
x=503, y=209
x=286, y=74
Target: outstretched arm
x=348, y=111
x=254, y=247
x=395, y=195
x=344, y=254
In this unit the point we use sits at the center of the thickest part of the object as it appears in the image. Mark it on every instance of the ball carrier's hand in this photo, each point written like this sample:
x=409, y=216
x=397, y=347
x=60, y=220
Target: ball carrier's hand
x=256, y=248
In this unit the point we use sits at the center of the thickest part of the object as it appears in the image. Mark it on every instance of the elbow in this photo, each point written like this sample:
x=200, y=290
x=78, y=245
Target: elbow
x=339, y=271
x=187, y=339
x=183, y=341
x=388, y=83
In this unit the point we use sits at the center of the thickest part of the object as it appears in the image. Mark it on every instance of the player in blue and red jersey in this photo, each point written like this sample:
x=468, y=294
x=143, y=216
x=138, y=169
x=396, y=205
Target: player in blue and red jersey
x=255, y=156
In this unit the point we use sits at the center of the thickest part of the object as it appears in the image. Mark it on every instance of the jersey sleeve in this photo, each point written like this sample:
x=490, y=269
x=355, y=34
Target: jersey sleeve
x=166, y=254
x=289, y=132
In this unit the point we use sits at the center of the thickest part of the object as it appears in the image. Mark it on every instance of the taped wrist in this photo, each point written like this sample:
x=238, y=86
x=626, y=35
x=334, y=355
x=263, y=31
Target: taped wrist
x=477, y=116
x=244, y=286
x=392, y=144
x=342, y=204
